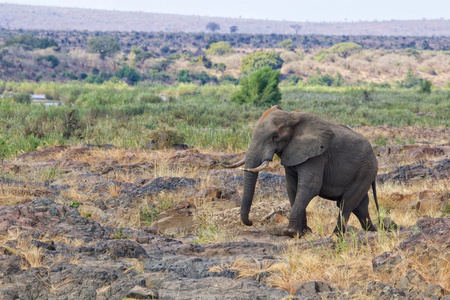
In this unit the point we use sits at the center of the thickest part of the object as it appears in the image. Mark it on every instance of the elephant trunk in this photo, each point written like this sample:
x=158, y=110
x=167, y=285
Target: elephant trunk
x=247, y=199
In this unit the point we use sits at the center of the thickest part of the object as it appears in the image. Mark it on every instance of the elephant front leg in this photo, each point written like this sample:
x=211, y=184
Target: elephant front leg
x=297, y=220
x=309, y=182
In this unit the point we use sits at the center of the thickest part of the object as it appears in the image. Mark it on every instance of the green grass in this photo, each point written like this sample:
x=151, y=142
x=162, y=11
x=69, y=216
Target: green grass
x=113, y=113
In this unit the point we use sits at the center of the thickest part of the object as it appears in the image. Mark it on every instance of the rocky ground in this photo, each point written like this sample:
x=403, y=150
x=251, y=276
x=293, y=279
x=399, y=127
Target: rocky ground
x=96, y=222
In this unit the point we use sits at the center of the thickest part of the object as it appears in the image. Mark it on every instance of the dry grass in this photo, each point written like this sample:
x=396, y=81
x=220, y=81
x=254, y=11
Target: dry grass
x=32, y=256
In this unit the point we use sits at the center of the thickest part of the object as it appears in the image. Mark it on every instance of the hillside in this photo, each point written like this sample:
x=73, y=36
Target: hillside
x=14, y=16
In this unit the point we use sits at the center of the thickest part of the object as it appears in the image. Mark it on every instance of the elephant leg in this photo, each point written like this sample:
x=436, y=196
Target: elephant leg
x=348, y=204
x=362, y=213
x=309, y=183
x=291, y=184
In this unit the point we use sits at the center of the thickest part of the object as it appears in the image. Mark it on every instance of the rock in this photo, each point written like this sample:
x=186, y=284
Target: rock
x=313, y=288
x=194, y=158
x=139, y=292
x=384, y=291
x=423, y=152
x=177, y=220
x=158, y=185
x=405, y=174
x=218, y=288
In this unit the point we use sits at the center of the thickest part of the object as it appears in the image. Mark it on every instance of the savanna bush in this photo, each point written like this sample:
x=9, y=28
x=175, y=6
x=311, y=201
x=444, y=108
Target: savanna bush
x=219, y=48
x=166, y=137
x=260, y=88
x=257, y=60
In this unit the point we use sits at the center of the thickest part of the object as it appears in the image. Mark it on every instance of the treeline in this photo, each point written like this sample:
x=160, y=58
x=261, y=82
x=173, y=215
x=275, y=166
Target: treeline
x=181, y=40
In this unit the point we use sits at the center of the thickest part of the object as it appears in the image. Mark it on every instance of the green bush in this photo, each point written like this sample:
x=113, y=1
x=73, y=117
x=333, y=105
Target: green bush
x=166, y=137
x=260, y=88
x=425, y=87
x=411, y=80
x=53, y=60
x=149, y=98
x=346, y=49
x=219, y=48
x=287, y=44
x=326, y=80
x=21, y=98
x=130, y=75
x=257, y=60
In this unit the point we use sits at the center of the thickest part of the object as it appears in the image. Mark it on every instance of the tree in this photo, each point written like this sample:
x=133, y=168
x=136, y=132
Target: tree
x=287, y=44
x=104, y=45
x=219, y=48
x=212, y=26
x=233, y=29
x=128, y=74
x=296, y=27
x=257, y=60
x=260, y=88
x=346, y=49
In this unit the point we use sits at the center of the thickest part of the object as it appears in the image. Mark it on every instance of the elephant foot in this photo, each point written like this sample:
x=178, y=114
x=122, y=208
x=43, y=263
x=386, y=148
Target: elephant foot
x=292, y=231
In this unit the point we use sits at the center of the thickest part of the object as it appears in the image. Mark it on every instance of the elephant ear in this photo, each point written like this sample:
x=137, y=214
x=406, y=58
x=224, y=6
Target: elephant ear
x=311, y=136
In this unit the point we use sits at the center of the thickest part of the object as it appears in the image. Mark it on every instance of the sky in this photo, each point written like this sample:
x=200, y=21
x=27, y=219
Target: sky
x=288, y=10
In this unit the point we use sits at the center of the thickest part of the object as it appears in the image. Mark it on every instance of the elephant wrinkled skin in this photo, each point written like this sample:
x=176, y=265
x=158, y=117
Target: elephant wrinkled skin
x=319, y=158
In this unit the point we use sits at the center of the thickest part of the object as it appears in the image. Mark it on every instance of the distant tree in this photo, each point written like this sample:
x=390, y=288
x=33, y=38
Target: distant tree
x=346, y=49
x=296, y=27
x=51, y=59
x=104, y=45
x=128, y=74
x=219, y=48
x=287, y=44
x=212, y=26
x=426, y=45
x=233, y=29
x=257, y=60
x=29, y=42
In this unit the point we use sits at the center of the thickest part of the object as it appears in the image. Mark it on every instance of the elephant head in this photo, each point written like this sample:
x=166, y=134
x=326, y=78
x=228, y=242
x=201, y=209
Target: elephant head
x=293, y=136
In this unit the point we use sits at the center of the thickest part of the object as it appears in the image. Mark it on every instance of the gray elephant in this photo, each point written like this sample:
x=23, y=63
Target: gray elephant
x=319, y=158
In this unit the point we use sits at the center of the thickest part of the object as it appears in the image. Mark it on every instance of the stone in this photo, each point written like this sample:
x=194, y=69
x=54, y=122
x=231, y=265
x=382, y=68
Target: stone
x=176, y=221
x=139, y=292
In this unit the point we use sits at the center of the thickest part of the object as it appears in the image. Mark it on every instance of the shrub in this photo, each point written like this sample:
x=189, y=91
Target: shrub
x=149, y=98
x=346, y=49
x=260, y=88
x=287, y=44
x=411, y=80
x=326, y=80
x=257, y=60
x=219, y=48
x=227, y=79
x=425, y=87
x=166, y=137
x=21, y=98
x=221, y=67
x=203, y=60
x=130, y=75
x=53, y=60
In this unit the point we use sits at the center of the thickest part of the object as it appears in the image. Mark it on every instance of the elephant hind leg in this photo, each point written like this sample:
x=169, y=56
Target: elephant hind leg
x=351, y=202
x=362, y=213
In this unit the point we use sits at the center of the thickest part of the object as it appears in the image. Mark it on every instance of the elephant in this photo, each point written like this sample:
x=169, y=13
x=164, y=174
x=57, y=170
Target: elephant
x=320, y=159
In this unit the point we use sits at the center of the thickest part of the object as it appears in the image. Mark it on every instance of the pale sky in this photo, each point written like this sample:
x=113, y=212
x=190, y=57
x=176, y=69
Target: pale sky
x=289, y=10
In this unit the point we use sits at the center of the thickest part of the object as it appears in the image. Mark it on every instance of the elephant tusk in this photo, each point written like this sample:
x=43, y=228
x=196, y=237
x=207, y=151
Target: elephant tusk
x=235, y=165
x=263, y=166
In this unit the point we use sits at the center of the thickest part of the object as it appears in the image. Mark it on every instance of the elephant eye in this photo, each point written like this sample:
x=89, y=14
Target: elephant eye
x=274, y=137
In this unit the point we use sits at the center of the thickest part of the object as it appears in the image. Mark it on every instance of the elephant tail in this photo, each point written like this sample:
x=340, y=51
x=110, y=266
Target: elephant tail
x=374, y=190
